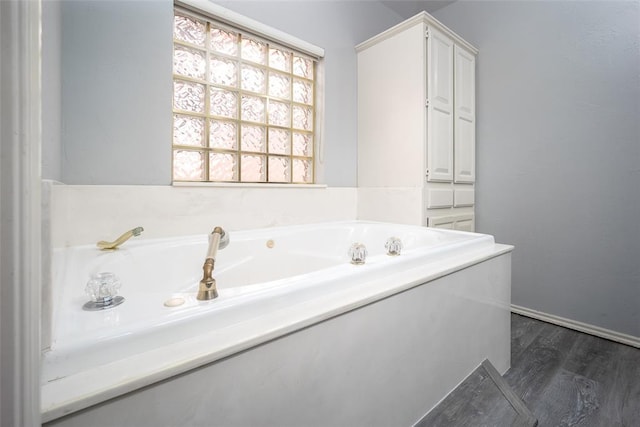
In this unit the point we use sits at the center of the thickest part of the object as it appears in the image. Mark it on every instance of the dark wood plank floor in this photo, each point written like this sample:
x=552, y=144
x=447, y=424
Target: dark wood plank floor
x=475, y=402
x=483, y=399
x=565, y=378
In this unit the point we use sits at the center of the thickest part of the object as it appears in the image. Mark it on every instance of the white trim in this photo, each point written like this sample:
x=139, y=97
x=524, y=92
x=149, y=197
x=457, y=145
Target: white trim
x=422, y=17
x=258, y=28
x=20, y=226
x=578, y=326
x=319, y=120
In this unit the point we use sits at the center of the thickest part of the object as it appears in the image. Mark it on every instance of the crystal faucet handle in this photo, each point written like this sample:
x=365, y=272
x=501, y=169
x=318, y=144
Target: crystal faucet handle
x=358, y=253
x=102, y=290
x=393, y=246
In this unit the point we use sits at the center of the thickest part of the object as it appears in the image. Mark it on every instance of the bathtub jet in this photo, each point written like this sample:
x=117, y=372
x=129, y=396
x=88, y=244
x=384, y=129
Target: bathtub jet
x=218, y=239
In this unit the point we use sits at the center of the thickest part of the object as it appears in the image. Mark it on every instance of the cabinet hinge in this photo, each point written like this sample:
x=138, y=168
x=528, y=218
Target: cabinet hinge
x=427, y=33
x=426, y=102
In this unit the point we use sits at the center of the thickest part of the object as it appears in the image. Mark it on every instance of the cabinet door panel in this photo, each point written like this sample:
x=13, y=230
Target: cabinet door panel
x=439, y=198
x=464, y=197
x=465, y=150
x=465, y=119
x=440, y=150
x=440, y=111
x=464, y=225
x=440, y=67
x=465, y=82
x=442, y=222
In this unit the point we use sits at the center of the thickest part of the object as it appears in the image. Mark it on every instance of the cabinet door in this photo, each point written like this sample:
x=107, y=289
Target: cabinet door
x=440, y=107
x=465, y=116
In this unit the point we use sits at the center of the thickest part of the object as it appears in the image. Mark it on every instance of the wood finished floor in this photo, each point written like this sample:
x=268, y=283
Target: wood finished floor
x=564, y=377
x=483, y=399
x=568, y=378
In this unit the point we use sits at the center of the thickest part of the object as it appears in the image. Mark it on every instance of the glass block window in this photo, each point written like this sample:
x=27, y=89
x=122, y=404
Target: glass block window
x=243, y=107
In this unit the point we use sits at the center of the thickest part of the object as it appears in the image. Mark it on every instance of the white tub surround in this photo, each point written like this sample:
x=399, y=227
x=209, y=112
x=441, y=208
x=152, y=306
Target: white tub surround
x=390, y=204
x=273, y=282
x=84, y=214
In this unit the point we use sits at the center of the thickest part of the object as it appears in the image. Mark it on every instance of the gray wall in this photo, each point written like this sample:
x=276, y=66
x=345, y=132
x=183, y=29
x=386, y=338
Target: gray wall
x=116, y=83
x=116, y=92
x=336, y=26
x=558, y=151
x=51, y=96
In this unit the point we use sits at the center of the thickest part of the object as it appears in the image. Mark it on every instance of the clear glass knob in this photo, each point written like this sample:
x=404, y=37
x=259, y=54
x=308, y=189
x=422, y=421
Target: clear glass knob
x=102, y=289
x=358, y=253
x=393, y=246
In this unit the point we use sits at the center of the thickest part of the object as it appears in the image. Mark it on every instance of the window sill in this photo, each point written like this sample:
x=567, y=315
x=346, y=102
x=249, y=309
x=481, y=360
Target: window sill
x=246, y=185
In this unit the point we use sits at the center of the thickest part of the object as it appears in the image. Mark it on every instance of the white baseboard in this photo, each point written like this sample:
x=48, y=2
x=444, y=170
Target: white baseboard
x=578, y=326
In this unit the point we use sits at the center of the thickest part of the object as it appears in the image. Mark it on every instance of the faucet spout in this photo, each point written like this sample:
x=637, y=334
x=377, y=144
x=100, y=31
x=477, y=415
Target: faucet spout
x=218, y=239
x=104, y=245
x=207, y=289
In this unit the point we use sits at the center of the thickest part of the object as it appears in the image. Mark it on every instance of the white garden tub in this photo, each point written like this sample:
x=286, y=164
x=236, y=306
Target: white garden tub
x=270, y=282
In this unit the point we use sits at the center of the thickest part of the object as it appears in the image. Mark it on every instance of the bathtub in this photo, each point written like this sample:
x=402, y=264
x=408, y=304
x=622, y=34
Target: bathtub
x=271, y=283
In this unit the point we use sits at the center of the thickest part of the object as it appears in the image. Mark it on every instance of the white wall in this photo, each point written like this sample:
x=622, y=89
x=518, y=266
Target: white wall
x=116, y=83
x=558, y=151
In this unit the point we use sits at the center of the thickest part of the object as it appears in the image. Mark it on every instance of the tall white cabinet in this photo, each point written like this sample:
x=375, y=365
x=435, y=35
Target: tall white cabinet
x=416, y=126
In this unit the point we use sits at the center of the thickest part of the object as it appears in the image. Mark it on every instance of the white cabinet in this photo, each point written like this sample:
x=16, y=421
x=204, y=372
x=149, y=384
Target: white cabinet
x=440, y=106
x=416, y=125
